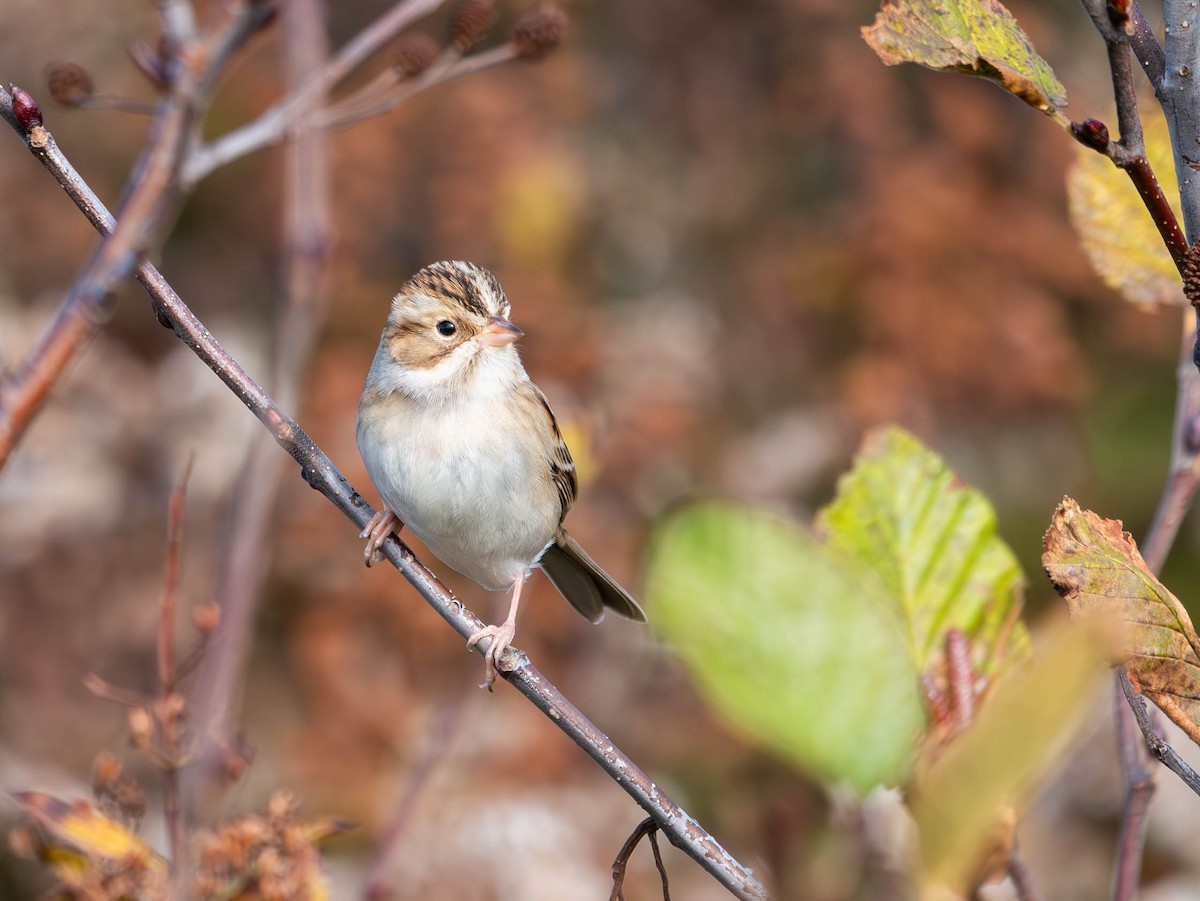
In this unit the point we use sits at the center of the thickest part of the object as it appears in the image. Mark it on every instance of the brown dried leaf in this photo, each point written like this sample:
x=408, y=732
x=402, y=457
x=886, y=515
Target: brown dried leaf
x=1096, y=567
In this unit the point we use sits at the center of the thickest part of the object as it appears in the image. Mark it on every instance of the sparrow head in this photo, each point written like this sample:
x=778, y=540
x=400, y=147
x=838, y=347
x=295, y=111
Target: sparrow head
x=448, y=326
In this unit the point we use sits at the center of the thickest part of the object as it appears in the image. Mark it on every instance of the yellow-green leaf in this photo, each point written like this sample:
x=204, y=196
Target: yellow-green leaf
x=1097, y=568
x=1117, y=234
x=787, y=642
x=975, y=37
x=903, y=515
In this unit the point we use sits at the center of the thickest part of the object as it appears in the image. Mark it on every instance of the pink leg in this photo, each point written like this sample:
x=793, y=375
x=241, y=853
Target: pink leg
x=381, y=525
x=501, y=636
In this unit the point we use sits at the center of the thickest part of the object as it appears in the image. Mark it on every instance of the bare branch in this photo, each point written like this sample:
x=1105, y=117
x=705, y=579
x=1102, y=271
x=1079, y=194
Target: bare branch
x=1146, y=46
x=1022, y=879
x=357, y=108
x=1139, y=790
x=1179, y=95
x=438, y=738
x=1129, y=153
x=1158, y=746
x=246, y=550
x=1183, y=476
x=274, y=124
x=645, y=829
x=319, y=471
x=151, y=195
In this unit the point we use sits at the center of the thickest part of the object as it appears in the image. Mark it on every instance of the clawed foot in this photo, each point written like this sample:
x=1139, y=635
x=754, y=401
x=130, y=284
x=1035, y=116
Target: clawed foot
x=382, y=524
x=501, y=636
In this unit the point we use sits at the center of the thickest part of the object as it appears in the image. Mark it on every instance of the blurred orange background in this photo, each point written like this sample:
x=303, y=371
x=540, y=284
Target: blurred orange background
x=735, y=241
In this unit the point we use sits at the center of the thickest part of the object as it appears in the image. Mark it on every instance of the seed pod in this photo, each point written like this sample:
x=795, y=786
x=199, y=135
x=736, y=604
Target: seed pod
x=470, y=21
x=69, y=83
x=415, y=53
x=539, y=31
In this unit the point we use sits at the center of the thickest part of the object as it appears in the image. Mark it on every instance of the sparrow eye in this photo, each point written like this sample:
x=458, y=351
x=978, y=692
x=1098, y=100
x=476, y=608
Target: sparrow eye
x=446, y=328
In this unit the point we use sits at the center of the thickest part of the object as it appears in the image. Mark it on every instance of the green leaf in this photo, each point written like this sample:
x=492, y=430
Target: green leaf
x=787, y=642
x=976, y=37
x=1097, y=568
x=1117, y=233
x=902, y=515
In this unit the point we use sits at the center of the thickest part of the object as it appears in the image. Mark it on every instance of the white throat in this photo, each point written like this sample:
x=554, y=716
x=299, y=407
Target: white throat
x=470, y=374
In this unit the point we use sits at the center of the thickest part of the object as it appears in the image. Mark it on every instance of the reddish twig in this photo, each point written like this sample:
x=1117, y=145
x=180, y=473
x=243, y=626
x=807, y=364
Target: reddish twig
x=149, y=201
x=1129, y=153
x=320, y=473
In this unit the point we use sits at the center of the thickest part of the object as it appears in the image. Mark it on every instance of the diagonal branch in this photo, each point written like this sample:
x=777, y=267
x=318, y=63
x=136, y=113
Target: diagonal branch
x=320, y=473
x=150, y=198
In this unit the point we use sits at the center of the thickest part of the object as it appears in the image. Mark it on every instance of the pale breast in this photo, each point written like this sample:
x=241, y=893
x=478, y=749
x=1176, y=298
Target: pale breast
x=468, y=480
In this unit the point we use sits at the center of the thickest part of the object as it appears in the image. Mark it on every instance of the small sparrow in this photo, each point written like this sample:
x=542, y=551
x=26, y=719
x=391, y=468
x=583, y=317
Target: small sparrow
x=464, y=450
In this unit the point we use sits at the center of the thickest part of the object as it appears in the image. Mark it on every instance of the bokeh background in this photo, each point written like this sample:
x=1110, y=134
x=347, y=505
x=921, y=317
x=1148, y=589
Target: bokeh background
x=735, y=241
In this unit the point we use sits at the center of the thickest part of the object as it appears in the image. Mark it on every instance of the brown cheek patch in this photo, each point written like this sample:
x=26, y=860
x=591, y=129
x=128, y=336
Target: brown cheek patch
x=413, y=348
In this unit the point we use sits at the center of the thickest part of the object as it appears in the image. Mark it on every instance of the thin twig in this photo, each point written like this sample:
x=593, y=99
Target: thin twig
x=273, y=125
x=1139, y=790
x=446, y=723
x=1022, y=879
x=170, y=722
x=320, y=473
x=646, y=828
x=342, y=115
x=150, y=198
x=246, y=548
x=1167, y=755
x=1129, y=153
x=1183, y=475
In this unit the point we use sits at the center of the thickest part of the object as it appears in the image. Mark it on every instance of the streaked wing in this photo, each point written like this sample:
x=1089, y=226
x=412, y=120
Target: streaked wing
x=562, y=467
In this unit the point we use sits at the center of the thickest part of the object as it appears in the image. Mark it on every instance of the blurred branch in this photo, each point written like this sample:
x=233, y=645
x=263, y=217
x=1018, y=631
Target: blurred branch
x=1139, y=791
x=320, y=473
x=446, y=723
x=276, y=123
x=150, y=197
x=357, y=108
x=1183, y=476
x=246, y=551
x=1177, y=496
x=170, y=705
x=1022, y=879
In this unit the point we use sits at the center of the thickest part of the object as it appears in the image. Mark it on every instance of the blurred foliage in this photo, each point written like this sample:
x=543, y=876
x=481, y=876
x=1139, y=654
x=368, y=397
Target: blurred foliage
x=817, y=647
x=735, y=242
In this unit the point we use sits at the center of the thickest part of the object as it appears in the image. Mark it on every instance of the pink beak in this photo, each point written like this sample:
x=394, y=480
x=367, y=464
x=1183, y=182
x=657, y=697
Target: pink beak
x=499, y=333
